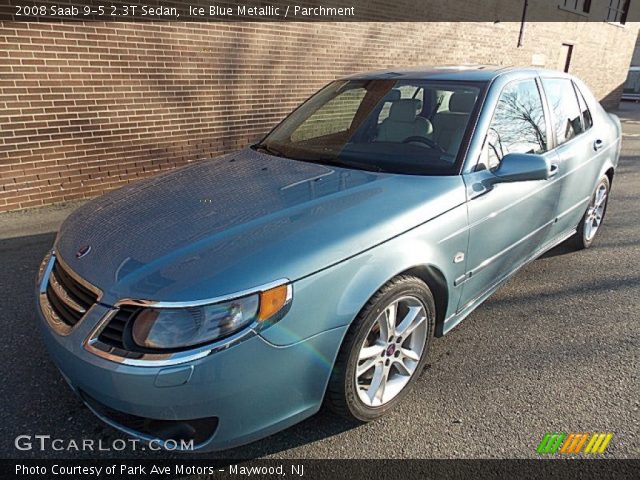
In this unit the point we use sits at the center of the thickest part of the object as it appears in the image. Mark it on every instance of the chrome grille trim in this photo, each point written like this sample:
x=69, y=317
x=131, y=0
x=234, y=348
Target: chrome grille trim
x=63, y=296
x=51, y=285
x=92, y=288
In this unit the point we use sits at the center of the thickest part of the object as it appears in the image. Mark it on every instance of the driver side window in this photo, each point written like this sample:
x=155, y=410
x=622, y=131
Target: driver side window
x=518, y=124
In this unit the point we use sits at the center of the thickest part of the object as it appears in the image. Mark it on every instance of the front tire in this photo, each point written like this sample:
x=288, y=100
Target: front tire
x=592, y=220
x=384, y=351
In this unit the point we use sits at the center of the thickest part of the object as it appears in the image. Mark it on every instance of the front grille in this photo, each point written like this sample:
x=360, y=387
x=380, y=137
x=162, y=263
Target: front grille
x=199, y=429
x=68, y=299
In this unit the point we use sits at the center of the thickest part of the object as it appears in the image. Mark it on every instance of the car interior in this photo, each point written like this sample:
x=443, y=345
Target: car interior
x=413, y=127
x=409, y=118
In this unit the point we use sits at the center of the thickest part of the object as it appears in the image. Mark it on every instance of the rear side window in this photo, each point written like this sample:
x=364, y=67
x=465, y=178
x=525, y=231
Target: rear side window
x=567, y=118
x=587, y=119
x=518, y=124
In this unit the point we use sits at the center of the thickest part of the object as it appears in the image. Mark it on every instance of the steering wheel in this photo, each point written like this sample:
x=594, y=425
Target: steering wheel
x=427, y=141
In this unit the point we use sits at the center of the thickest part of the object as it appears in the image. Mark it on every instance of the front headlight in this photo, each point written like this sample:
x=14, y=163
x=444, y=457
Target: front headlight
x=175, y=328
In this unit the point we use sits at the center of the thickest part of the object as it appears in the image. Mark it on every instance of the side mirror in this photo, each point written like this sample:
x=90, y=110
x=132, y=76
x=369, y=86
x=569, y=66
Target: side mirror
x=522, y=167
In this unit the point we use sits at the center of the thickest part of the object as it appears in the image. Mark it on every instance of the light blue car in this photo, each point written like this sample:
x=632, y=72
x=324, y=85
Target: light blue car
x=224, y=301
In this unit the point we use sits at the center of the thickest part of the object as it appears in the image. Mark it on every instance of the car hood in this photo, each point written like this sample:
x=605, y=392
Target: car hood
x=239, y=221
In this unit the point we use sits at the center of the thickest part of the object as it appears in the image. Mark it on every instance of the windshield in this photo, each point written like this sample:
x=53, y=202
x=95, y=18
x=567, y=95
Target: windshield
x=400, y=126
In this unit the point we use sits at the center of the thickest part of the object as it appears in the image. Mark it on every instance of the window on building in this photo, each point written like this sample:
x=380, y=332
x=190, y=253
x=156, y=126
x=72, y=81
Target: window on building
x=518, y=124
x=618, y=10
x=566, y=53
x=582, y=6
x=567, y=119
x=632, y=84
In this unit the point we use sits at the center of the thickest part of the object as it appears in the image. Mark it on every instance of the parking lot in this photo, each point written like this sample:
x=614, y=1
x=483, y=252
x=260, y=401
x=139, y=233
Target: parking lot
x=556, y=349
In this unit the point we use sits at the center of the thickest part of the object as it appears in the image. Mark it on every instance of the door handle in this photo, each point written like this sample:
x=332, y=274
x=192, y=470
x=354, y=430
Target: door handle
x=598, y=144
x=553, y=170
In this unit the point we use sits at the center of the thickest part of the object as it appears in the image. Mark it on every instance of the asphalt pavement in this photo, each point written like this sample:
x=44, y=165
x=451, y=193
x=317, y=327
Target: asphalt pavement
x=555, y=349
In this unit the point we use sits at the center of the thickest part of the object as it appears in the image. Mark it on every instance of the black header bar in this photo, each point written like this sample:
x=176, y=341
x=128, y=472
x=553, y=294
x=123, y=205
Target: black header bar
x=322, y=10
x=575, y=468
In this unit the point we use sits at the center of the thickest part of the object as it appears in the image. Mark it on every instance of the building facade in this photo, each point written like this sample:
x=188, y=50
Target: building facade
x=88, y=107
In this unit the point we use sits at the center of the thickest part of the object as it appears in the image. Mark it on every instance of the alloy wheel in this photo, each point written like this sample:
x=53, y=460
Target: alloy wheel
x=595, y=212
x=391, y=351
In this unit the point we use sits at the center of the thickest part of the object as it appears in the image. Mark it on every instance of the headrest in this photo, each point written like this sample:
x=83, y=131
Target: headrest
x=404, y=110
x=462, y=102
x=392, y=95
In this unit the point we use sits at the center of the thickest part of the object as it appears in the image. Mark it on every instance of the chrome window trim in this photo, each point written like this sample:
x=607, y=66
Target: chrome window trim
x=177, y=358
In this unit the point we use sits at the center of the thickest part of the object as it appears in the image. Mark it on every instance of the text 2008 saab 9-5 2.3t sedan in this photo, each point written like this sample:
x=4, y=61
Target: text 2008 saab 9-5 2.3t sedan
x=231, y=298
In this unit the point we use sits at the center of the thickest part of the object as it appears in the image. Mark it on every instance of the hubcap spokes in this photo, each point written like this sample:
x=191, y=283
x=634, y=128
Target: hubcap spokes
x=595, y=213
x=390, y=354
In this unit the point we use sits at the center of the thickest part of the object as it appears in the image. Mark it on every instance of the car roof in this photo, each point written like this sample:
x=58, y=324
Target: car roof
x=478, y=73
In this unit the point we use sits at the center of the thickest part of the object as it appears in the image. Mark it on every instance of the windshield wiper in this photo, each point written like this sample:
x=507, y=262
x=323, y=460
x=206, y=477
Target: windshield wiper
x=331, y=161
x=268, y=150
x=336, y=162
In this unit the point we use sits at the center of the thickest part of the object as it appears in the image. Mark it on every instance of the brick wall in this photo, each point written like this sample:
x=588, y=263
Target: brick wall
x=85, y=108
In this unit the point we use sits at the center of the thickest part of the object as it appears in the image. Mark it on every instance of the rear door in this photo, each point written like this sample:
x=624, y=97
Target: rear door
x=578, y=145
x=508, y=221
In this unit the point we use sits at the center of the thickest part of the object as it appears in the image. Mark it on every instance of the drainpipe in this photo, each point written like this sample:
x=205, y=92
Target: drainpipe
x=523, y=23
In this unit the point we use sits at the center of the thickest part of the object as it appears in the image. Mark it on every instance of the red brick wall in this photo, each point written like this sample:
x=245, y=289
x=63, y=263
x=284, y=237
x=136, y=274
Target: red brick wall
x=85, y=108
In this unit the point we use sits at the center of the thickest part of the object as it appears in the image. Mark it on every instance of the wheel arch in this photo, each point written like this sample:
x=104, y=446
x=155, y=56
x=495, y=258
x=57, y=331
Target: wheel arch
x=437, y=283
x=608, y=169
x=609, y=173
x=429, y=273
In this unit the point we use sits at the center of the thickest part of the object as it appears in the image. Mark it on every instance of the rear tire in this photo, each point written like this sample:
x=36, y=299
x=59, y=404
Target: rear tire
x=591, y=222
x=381, y=358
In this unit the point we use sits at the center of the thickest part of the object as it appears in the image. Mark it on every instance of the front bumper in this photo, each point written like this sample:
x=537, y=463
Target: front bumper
x=253, y=389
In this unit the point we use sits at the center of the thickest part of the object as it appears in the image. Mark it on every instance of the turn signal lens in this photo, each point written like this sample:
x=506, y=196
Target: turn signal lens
x=272, y=301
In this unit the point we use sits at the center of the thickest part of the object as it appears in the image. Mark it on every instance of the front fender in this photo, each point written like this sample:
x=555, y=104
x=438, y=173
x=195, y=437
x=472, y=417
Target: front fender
x=334, y=296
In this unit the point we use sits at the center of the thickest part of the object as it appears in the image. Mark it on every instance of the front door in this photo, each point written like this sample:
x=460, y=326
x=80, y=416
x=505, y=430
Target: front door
x=507, y=221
